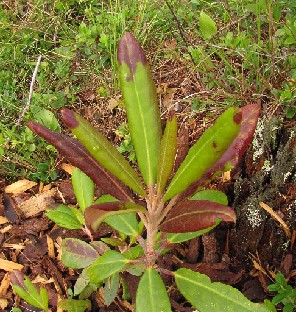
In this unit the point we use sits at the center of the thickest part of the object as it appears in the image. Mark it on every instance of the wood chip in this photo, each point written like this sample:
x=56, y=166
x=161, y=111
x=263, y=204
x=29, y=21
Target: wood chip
x=3, y=220
x=113, y=103
x=5, y=283
x=50, y=247
x=19, y=186
x=37, y=204
x=42, y=280
x=13, y=246
x=6, y=229
x=3, y=303
x=9, y=266
x=277, y=218
x=67, y=167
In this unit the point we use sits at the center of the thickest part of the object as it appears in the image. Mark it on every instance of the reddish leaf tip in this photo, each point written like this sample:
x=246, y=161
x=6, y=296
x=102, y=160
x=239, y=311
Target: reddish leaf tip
x=237, y=118
x=171, y=115
x=69, y=118
x=130, y=52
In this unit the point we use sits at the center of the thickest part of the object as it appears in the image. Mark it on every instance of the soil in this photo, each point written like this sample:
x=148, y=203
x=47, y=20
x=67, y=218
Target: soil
x=246, y=255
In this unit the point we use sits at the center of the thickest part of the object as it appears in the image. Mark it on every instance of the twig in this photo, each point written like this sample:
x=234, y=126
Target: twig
x=21, y=117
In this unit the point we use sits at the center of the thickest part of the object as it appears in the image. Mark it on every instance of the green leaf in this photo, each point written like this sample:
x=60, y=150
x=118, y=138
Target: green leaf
x=151, y=293
x=215, y=297
x=141, y=105
x=211, y=195
x=102, y=150
x=168, y=148
x=205, y=152
x=83, y=188
x=81, y=283
x=175, y=238
x=124, y=223
x=134, y=252
x=111, y=289
x=207, y=25
x=28, y=291
x=77, y=254
x=113, y=241
x=46, y=118
x=73, y=305
x=108, y=264
x=64, y=217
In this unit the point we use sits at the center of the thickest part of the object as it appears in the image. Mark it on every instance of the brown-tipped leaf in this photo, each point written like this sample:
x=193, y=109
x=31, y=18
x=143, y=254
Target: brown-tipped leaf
x=78, y=156
x=182, y=147
x=195, y=215
x=96, y=214
x=141, y=105
x=233, y=154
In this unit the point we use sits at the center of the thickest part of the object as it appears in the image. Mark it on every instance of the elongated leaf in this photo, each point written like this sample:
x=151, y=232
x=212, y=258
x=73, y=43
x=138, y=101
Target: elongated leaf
x=235, y=151
x=83, y=188
x=73, y=305
x=211, y=195
x=79, y=157
x=102, y=150
x=182, y=147
x=28, y=291
x=215, y=297
x=96, y=214
x=108, y=264
x=151, y=293
x=176, y=238
x=77, y=254
x=206, y=151
x=64, y=217
x=140, y=100
x=167, y=153
x=195, y=215
x=207, y=25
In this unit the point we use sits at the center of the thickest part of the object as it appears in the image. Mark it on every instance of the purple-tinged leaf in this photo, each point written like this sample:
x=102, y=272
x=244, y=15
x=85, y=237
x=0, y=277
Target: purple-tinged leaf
x=96, y=214
x=108, y=264
x=182, y=147
x=102, y=150
x=77, y=254
x=79, y=157
x=17, y=278
x=233, y=154
x=195, y=215
x=141, y=105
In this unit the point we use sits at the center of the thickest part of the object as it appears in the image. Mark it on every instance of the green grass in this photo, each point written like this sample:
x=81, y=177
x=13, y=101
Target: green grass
x=251, y=57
